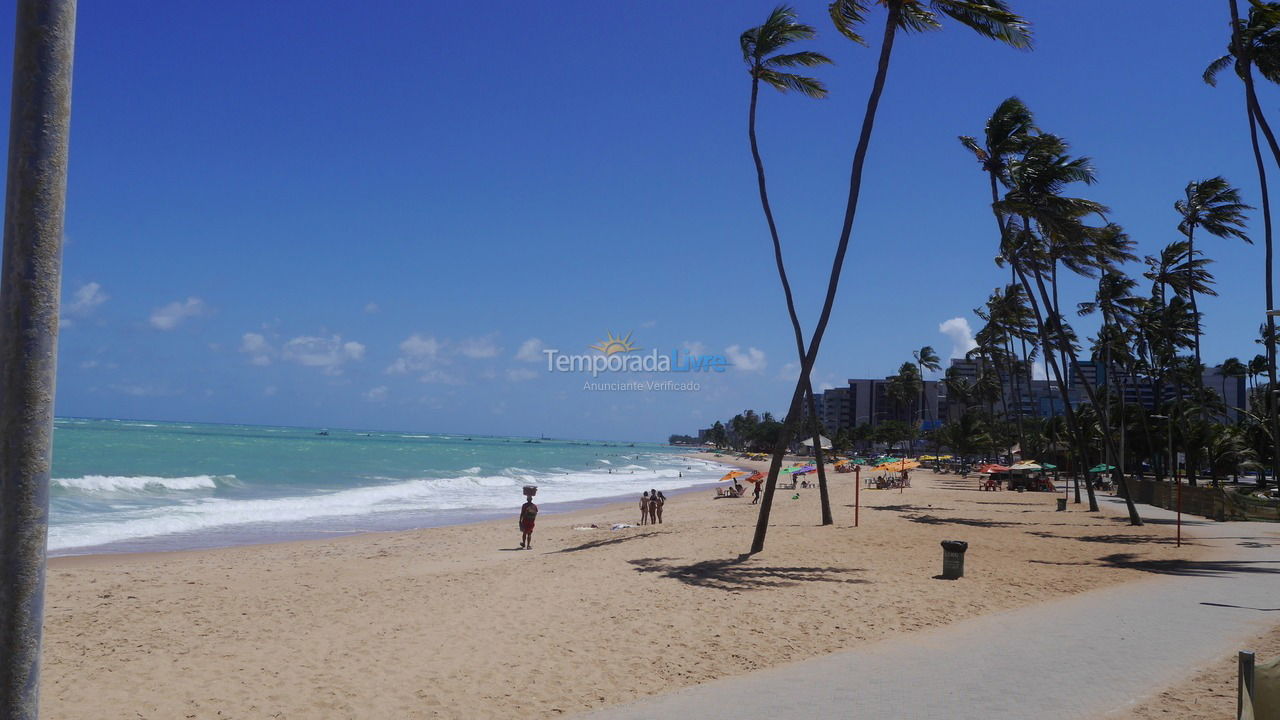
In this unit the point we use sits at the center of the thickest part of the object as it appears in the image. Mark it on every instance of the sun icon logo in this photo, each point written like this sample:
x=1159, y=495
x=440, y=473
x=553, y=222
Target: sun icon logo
x=612, y=345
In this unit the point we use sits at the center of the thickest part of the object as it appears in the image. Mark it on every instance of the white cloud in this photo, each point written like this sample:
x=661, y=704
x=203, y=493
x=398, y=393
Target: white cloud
x=145, y=390
x=478, y=348
x=377, y=394
x=371, y=308
x=171, y=316
x=693, y=347
x=330, y=353
x=752, y=360
x=417, y=353
x=255, y=345
x=440, y=377
x=84, y=300
x=961, y=335
x=790, y=371
x=530, y=350
x=521, y=374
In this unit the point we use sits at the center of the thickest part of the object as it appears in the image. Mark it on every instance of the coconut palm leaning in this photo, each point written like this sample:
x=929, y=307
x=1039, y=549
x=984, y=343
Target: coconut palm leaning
x=1256, y=43
x=1213, y=206
x=990, y=18
x=761, y=48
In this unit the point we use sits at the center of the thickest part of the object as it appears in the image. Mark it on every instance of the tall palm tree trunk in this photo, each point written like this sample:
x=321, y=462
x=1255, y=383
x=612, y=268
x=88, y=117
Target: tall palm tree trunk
x=791, y=305
x=35, y=195
x=1051, y=303
x=851, y=207
x=1258, y=119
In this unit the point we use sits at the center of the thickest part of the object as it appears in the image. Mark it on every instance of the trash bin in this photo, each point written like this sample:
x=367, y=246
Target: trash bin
x=1062, y=504
x=953, y=558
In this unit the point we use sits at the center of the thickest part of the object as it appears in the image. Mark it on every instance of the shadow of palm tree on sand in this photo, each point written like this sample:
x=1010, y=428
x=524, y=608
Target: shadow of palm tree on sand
x=739, y=574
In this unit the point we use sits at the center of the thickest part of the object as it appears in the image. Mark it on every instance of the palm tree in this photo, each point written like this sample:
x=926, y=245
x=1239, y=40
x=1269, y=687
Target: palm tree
x=1257, y=43
x=965, y=436
x=1041, y=229
x=904, y=388
x=990, y=18
x=1231, y=368
x=760, y=50
x=926, y=359
x=1214, y=206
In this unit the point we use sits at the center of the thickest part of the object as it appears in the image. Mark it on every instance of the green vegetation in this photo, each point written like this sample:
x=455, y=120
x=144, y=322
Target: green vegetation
x=1147, y=402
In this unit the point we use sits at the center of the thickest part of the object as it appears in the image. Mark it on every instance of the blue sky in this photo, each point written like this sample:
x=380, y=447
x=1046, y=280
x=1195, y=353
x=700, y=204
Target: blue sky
x=358, y=214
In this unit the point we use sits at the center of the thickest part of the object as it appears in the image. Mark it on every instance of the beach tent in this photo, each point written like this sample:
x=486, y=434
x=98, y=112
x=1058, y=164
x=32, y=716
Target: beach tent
x=733, y=474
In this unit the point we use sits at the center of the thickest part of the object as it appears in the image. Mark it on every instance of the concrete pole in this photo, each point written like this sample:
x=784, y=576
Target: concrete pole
x=30, y=281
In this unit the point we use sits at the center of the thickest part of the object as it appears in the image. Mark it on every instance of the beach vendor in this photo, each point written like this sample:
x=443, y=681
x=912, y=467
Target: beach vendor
x=528, y=513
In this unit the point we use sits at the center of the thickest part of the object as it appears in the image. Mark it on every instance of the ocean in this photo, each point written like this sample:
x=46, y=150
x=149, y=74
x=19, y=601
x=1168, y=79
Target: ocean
x=135, y=486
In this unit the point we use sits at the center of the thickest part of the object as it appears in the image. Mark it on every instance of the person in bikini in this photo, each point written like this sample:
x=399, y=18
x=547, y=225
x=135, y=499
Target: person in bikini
x=644, y=509
x=528, y=513
x=656, y=504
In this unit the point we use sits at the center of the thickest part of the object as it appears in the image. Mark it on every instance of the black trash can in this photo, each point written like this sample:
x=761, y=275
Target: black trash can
x=953, y=559
x=1062, y=504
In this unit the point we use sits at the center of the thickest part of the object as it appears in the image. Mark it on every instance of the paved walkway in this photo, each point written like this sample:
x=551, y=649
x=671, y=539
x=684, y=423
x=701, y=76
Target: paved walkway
x=1078, y=657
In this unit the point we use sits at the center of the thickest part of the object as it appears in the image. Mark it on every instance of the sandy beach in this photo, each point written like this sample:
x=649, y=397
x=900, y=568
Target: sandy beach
x=459, y=622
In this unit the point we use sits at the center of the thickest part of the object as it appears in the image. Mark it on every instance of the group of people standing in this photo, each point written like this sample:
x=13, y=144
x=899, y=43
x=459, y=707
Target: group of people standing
x=651, y=507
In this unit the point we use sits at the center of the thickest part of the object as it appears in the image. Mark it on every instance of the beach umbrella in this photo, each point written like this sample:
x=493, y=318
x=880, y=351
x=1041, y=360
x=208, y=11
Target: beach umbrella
x=993, y=468
x=1025, y=466
x=757, y=478
x=806, y=469
x=1101, y=468
x=1049, y=466
x=898, y=465
x=733, y=474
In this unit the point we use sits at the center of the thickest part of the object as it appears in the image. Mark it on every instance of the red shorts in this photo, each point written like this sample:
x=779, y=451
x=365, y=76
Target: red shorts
x=526, y=526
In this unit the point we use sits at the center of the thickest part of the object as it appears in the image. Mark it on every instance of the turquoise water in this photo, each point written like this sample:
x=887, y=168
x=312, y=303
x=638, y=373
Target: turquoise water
x=124, y=485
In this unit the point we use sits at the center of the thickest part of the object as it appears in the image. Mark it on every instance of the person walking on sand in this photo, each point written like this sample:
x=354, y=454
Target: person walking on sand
x=755, y=494
x=528, y=513
x=656, y=504
x=644, y=509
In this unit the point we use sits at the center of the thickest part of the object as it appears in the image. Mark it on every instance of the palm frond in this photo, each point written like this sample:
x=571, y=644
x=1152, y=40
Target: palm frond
x=1210, y=75
x=799, y=59
x=989, y=18
x=847, y=16
x=914, y=17
x=789, y=81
